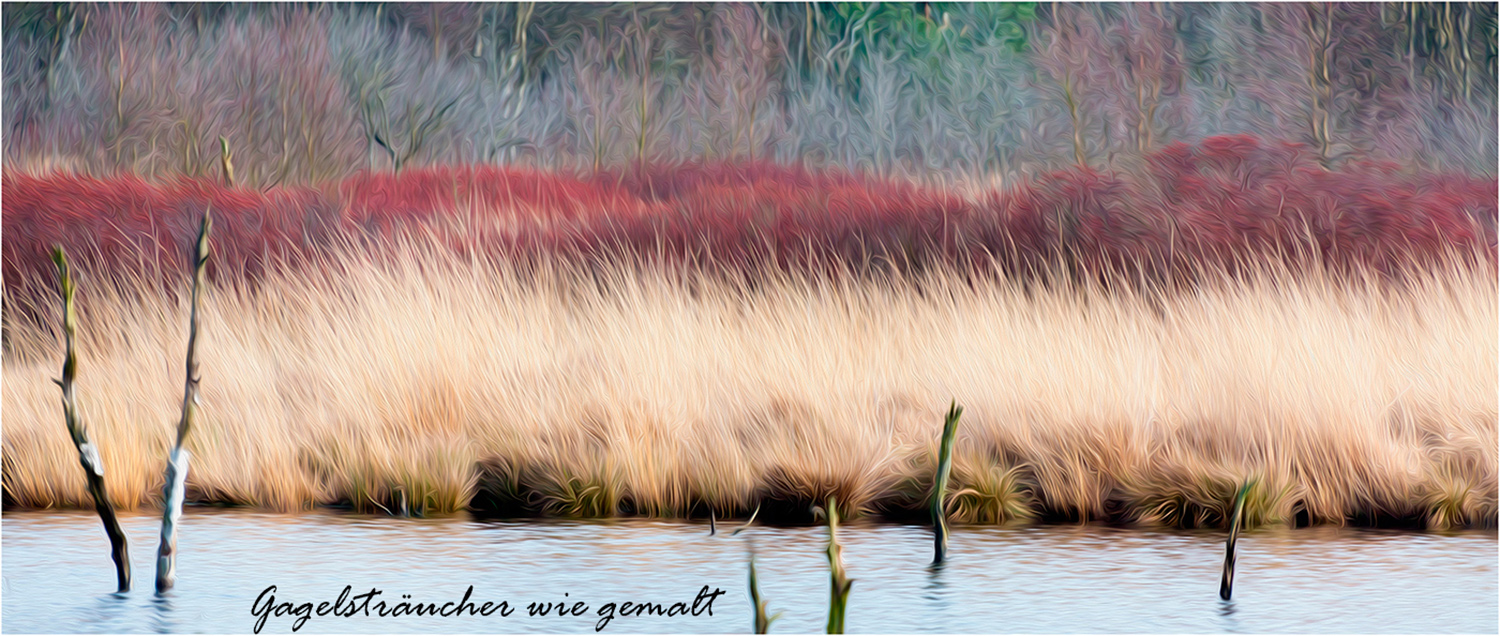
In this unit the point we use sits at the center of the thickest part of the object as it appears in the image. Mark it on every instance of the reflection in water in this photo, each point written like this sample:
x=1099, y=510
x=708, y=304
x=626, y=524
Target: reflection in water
x=935, y=583
x=106, y=609
x=936, y=595
x=1032, y=579
x=1226, y=612
x=161, y=604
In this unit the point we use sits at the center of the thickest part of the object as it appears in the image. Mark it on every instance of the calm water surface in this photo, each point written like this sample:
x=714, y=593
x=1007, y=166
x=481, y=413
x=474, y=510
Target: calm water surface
x=1046, y=579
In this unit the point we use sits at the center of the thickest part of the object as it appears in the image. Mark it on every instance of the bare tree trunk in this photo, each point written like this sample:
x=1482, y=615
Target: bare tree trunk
x=1320, y=41
x=177, y=465
x=225, y=162
x=1464, y=61
x=1078, y=145
x=88, y=453
x=523, y=20
x=1070, y=96
x=1411, y=44
x=120, y=103
x=437, y=34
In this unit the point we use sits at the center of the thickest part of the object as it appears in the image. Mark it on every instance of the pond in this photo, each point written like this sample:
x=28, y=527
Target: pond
x=1035, y=579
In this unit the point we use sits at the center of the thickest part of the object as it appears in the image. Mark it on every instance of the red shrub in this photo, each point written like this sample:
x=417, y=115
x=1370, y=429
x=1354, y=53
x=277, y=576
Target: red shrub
x=124, y=220
x=748, y=213
x=378, y=202
x=1236, y=198
x=1227, y=199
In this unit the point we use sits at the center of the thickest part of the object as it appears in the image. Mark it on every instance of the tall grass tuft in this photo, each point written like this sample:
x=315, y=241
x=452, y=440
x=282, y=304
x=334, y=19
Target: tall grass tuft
x=990, y=492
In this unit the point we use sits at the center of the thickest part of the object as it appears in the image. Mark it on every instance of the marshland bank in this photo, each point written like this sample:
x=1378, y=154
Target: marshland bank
x=426, y=382
x=1027, y=579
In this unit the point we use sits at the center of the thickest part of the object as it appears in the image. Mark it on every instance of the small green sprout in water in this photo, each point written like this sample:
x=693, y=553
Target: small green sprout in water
x=940, y=485
x=762, y=619
x=1226, y=584
x=840, y=583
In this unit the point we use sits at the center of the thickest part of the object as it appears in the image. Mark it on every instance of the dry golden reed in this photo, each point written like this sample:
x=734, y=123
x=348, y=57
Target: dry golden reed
x=428, y=382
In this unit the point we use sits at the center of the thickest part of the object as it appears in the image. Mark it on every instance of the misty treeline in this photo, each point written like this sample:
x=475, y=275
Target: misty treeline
x=988, y=92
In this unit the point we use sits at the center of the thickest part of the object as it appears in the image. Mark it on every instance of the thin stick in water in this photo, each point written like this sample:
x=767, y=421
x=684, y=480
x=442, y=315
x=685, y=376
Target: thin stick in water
x=1226, y=584
x=177, y=464
x=88, y=453
x=940, y=485
x=747, y=523
x=840, y=583
x=763, y=620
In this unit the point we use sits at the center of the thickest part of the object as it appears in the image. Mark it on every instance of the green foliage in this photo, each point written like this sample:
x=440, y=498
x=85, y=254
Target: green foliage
x=41, y=20
x=925, y=29
x=928, y=37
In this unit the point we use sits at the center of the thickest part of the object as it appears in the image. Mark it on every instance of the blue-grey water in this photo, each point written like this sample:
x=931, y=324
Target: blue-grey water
x=1041, y=579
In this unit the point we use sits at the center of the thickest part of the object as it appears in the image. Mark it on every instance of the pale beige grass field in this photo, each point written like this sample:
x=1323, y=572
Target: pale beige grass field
x=414, y=383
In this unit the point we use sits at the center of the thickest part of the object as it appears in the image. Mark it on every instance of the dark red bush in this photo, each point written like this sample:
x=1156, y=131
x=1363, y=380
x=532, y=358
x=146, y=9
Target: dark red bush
x=1226, y=200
